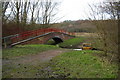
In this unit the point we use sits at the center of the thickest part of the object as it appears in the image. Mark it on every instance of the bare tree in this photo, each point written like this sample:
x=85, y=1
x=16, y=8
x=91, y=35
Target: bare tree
x=106, y=27
x=17, y=12
x=34, y=6
x=4, y=8
x=22, y=12
x=48, y=13
x=25, y=12
x=111, y=8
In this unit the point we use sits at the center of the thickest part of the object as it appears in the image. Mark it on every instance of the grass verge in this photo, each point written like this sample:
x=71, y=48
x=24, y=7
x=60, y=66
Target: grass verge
x=21, y=50
x=81, y=64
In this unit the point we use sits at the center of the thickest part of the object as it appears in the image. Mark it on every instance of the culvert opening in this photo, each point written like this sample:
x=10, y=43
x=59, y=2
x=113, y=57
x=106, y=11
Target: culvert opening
x=54, y=41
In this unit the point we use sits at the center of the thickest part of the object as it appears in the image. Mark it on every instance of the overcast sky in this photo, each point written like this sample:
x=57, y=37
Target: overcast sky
x=75, y=9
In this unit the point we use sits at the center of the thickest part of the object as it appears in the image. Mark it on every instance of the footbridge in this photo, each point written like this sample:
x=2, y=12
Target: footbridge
x=39, y=36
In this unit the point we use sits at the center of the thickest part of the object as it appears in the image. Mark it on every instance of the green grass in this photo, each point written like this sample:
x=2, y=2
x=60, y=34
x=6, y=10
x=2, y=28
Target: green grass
x=72, y=42
x=74, y=64
x=20, y=70
x=50, y=42
x=21, y=50
x=24, y=71
x=81, y=64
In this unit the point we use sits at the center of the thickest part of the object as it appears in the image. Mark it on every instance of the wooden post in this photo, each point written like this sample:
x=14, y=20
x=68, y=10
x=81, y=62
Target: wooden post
x=5, y=44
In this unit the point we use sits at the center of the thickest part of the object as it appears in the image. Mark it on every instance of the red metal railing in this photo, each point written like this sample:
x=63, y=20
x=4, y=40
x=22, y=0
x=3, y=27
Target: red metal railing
x=32, y=33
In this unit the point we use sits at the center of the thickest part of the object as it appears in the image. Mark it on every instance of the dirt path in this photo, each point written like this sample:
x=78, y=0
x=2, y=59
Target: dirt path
x=36, y=58
x=31, y=66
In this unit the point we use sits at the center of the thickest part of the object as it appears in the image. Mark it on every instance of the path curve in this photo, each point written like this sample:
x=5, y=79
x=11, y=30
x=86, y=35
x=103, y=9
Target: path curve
x=36, y=58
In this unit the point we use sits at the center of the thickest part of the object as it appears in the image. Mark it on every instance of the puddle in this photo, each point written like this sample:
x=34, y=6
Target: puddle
x=77, y=49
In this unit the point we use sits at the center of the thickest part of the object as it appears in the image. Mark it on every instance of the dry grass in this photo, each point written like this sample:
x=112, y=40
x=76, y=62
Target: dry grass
x=84, y=34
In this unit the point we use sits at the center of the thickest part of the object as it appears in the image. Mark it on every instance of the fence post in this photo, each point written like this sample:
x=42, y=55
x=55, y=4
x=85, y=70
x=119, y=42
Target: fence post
x=5, y=44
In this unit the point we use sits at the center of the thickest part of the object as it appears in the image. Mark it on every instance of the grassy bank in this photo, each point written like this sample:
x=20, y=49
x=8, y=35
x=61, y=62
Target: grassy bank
x=81, y=64
x=74, y=64
x=21, y=50
x=72, y=42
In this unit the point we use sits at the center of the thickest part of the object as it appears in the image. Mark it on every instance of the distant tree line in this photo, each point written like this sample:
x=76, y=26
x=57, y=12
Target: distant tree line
x=29, y=11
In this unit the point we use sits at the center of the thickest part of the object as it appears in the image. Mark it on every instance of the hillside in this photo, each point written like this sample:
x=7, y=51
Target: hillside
x=76, y=26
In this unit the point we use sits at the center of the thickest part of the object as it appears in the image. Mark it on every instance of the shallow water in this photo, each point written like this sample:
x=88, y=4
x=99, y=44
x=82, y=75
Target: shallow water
x=77, y=49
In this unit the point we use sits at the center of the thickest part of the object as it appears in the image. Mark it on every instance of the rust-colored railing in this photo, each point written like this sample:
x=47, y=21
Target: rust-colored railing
x=33, y=33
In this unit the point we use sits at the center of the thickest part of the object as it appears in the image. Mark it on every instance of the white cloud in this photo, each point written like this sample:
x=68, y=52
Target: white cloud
x=75, y=9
